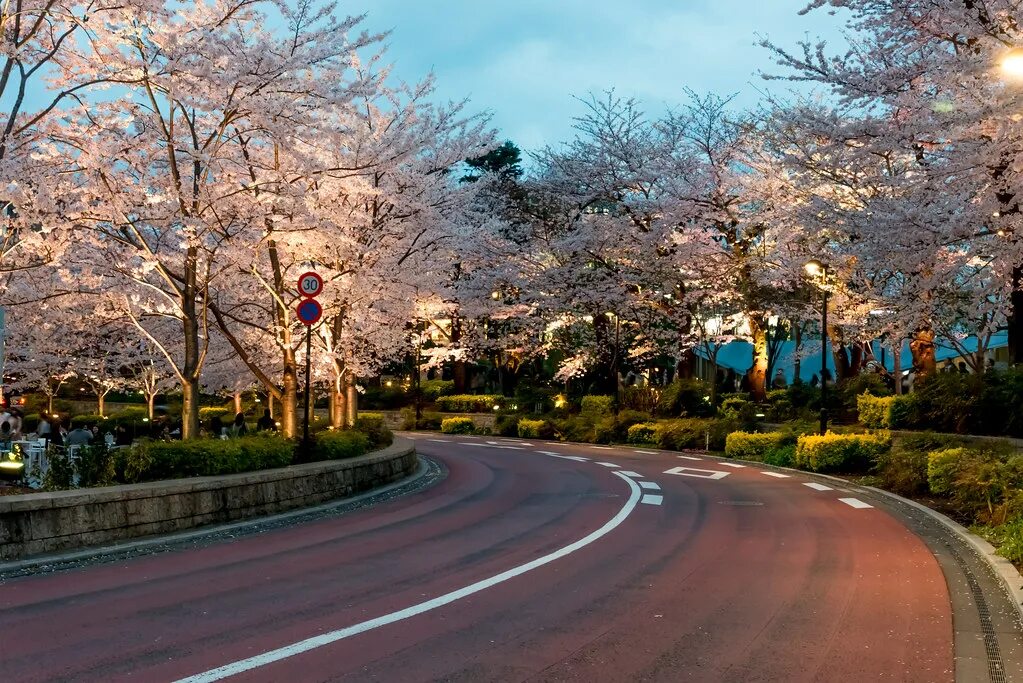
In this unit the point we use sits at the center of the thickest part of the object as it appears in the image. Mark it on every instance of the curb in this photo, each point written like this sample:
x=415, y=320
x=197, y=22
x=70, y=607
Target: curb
x=117, y=548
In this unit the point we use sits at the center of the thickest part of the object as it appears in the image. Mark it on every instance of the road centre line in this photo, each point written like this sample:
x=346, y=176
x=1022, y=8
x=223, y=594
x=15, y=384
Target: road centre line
x=855, y=503
x=777, y=475
x=689, y=457
x=440, y=440
x=817, y=487
x=324, y=639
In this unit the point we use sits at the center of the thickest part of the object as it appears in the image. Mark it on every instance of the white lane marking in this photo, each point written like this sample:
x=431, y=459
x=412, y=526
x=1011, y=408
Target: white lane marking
x=469, y=443
x=646, y=452
x=440, y=440
x=689, y=457
x=577, y=458
x=731, y=464
x=608, y=464
x=855, y=503
x=510, y=448
x=700, y=474
x=653, y=486
x=323, y=639
x=492, y=443
x=651, y=499
x=630, y=473
x=601, y=448
x=777, y=475
x=817, y=487
x=552, y=443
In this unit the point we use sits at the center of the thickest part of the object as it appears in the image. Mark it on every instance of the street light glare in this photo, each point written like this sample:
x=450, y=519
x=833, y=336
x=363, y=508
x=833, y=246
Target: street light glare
x=1012, y=64
x=814, y=267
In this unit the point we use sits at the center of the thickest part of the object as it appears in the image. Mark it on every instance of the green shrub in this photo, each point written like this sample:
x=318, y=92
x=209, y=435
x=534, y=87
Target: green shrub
x=642, y=433
x=840, y=452
x=94, y=466
x=575, y=428
x=60, y=470
x=874, y=412
x=435, y=388
x=597, y=406
x=1008, y=539
x=615, y=428
x=532, y=429
x=207, y=413
x=506, y=425
x=688, y=433
x=742, y=411
x=86, y=420
x=779, y=407
x=943, y=469
x=864, y=383
x=156, y=460
x=782, y=455
x=373, y=426
x=903, y=469
x=684, y=398
x=469, y=403
x=340, y=444
x=458, y=425
x=903, y=412
x=752, y=446
x=427, y=421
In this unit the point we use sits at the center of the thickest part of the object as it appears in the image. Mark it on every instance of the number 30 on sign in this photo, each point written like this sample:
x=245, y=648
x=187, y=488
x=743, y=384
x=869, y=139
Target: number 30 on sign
x=310, y=285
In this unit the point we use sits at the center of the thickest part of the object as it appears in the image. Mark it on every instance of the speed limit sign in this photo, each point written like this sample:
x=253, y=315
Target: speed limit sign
x=310, y=285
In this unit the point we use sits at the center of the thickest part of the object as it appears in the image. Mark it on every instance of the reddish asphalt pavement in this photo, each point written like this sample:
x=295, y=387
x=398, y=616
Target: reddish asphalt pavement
x=746, y=577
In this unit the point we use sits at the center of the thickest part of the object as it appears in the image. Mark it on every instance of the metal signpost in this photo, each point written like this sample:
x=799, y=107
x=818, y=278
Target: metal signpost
x=309, y=312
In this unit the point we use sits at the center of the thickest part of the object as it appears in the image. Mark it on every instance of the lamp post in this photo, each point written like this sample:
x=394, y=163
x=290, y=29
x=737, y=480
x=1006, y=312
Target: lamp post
x=815, y=269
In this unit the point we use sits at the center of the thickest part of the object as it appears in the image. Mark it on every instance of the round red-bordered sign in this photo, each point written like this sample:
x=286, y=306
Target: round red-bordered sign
x=310, y=284
x=309, y=311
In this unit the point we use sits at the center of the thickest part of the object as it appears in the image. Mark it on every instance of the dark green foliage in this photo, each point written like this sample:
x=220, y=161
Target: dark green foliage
x=684, y=398
x=156, y=460
x=903, y=469
x=506, y=425
x=503, y=161
x=615, y=428
x=95, y=466
x=779, y=407
x=341, y=444
x=866, y=383
x=469, y=403
x=692, y=433
x=575, y=428
x=782, y=455
x=60, y=472
x=597, y=406
x=385, y=398
x=86, y=420
x=434, y=388
x=372, y=425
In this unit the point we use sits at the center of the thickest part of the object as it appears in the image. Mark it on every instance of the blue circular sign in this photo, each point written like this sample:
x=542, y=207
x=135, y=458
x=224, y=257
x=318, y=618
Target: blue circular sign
x=309, y=311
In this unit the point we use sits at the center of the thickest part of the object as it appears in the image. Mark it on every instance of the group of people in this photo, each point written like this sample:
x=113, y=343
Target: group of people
x=53, y=430
x=238, y=427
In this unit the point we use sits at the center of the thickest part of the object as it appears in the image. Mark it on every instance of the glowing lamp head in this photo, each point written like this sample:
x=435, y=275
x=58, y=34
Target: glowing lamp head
x=814, y=268
x=1011, y=64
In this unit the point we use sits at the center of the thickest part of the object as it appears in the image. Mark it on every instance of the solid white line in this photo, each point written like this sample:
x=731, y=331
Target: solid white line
x=469, y=443
x=855, y=503
x=653, y=486
x=651, y=499
x=321, y=640
x=440, y=440
x=731, y=464
x=608, y=464
x=602, y=448
x=646, y=452
x=689, y=457
x=777, y=475
x=630, y=473
x=817, y=487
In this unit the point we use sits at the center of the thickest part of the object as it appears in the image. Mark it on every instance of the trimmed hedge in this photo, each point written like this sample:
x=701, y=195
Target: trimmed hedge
x=86, y=420
x=840, y=452
x=156, y=460
x=532, y=429
x=693, y=433
x=372, y=425
x=752, y=445
x=435, y=388
x=458, y=425
x=340, y=444
x=469, y=403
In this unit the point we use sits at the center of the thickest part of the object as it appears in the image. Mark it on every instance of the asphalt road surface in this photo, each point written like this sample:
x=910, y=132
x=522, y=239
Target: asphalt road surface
x=528, y=562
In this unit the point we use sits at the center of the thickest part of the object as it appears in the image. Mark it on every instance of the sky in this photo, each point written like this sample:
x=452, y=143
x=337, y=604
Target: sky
x=524, y=60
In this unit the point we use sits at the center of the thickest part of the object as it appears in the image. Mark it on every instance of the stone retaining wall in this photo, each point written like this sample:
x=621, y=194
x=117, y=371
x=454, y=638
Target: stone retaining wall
x=40, y=523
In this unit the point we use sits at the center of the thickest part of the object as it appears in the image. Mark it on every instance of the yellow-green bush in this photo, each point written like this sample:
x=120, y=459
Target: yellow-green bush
x=531, y=429
x=875, y=411
x=840, y=452
x=341, y=444
x=469, y=403
x=597, y=405
x=943, y=468
x=752, y=446
x=458, y=425
x=643, y=433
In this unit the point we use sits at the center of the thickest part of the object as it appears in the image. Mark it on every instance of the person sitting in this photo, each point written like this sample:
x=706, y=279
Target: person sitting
x=779, y=380
x=6, y=435
x=121, y=436
x=79, y=436
x=238, y=427
x=266, y=423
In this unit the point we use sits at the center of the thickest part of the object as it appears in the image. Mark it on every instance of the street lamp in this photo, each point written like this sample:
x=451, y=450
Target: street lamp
x=1011, y=64
x=817, y=269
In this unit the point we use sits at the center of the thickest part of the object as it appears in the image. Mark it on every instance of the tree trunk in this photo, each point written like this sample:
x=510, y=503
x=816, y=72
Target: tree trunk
x=458, y=368
x=237, y=402
x=922, y=348
x=758, y=371
x=352, y=402
x=897, y=366
x=191, y=366
x=150, y=406
x=686, y=364
x=1015, y=318
x=101, y=404
x=797, y=335
x=190, y=409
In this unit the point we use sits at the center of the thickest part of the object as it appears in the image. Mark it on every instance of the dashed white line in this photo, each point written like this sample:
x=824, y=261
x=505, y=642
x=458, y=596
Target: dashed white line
x=646, y=452
x=440, y=440
x=653, y=486
x=689, y=457
x=817, y=487
x=732, y=464
x=608, y=464
x=855, y=503
x=651, y=499
x=777, y=475
x=630, y=473
x=577, y=458
x=601, y=448
x=323, y=639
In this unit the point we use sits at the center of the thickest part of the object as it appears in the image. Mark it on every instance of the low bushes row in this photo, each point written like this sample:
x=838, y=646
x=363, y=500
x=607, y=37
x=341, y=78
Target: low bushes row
x=829, y=453
x=458, y=425
x=469, y=403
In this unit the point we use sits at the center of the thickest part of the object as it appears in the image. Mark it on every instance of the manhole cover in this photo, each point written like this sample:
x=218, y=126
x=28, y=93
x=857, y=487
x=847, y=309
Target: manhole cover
x=742, y=503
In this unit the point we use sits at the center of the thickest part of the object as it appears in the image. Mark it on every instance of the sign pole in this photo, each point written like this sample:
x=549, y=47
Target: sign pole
x=308, y=380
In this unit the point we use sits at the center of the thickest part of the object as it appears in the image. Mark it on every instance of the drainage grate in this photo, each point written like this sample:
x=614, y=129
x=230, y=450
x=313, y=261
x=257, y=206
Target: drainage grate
x=995, y=667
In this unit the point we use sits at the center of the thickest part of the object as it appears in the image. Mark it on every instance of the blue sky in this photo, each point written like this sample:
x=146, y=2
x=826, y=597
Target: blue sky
x=523, y=60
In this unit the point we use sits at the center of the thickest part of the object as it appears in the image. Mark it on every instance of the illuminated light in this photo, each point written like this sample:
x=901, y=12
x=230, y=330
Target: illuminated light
x=761, y=415
x=560, y=401
x=814, y=268
x=1001, y=233
x=277, y=423
x=389, y=383
x=259, y=400
x=495, y=295
x=497, y=407
x=996, y=214
x=12, y=465
x=145, y=419
x=1012, y=64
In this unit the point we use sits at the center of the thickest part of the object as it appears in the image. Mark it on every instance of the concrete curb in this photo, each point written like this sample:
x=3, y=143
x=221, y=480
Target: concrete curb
x=206, y=531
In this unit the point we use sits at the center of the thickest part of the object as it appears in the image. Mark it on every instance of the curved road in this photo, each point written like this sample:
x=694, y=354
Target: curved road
x=529, y=561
